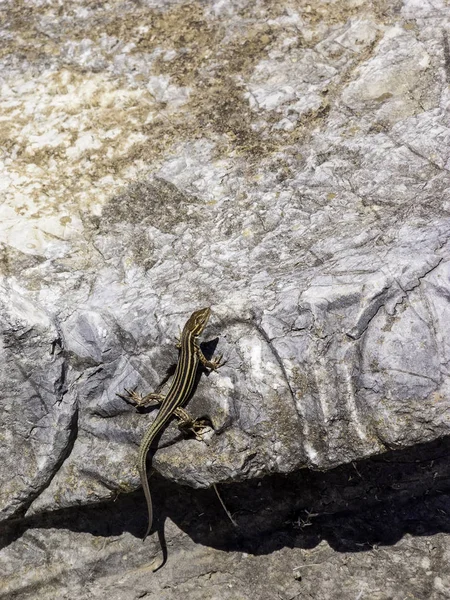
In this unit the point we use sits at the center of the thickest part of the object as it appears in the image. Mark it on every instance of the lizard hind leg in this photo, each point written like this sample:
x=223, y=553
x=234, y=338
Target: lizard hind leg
x=189, y=425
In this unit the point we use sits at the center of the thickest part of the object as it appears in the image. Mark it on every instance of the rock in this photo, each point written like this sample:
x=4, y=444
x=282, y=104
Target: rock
x=286, y=165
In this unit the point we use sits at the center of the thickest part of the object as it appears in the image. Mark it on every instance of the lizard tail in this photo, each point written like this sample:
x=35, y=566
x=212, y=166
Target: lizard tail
x=142, y=468
x=148, y=498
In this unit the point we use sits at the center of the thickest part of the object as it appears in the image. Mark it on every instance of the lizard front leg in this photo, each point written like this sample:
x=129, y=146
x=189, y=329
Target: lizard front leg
x=213, y=364
x=138, y=400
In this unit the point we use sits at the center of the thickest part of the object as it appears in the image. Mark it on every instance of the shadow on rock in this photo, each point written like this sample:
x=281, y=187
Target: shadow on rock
x=354, y=507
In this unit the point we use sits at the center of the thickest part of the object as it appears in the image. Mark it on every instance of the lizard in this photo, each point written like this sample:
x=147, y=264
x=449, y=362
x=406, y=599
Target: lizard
x=180, y=389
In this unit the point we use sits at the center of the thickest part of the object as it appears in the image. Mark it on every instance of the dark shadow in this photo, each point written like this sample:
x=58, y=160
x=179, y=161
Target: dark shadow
x=354, y=507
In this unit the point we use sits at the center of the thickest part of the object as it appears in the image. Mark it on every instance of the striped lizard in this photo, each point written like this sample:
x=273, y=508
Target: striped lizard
x=178, y=393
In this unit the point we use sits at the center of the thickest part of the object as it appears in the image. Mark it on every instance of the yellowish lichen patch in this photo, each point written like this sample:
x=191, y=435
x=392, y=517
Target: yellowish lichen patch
x=104, y=94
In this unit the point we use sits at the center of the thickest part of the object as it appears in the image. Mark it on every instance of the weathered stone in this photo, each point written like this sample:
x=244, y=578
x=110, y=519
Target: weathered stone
x=286, y=164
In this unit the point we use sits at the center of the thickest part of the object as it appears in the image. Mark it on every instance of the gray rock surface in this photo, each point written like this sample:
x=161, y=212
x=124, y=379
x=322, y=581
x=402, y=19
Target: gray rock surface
x=286, y=164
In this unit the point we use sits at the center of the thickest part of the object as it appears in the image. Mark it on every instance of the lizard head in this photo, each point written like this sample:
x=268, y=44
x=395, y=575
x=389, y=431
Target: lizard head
x=197, y=321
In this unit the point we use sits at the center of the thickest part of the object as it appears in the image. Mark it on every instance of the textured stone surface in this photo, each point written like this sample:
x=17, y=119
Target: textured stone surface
x=286, y=164
x=377, y=529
